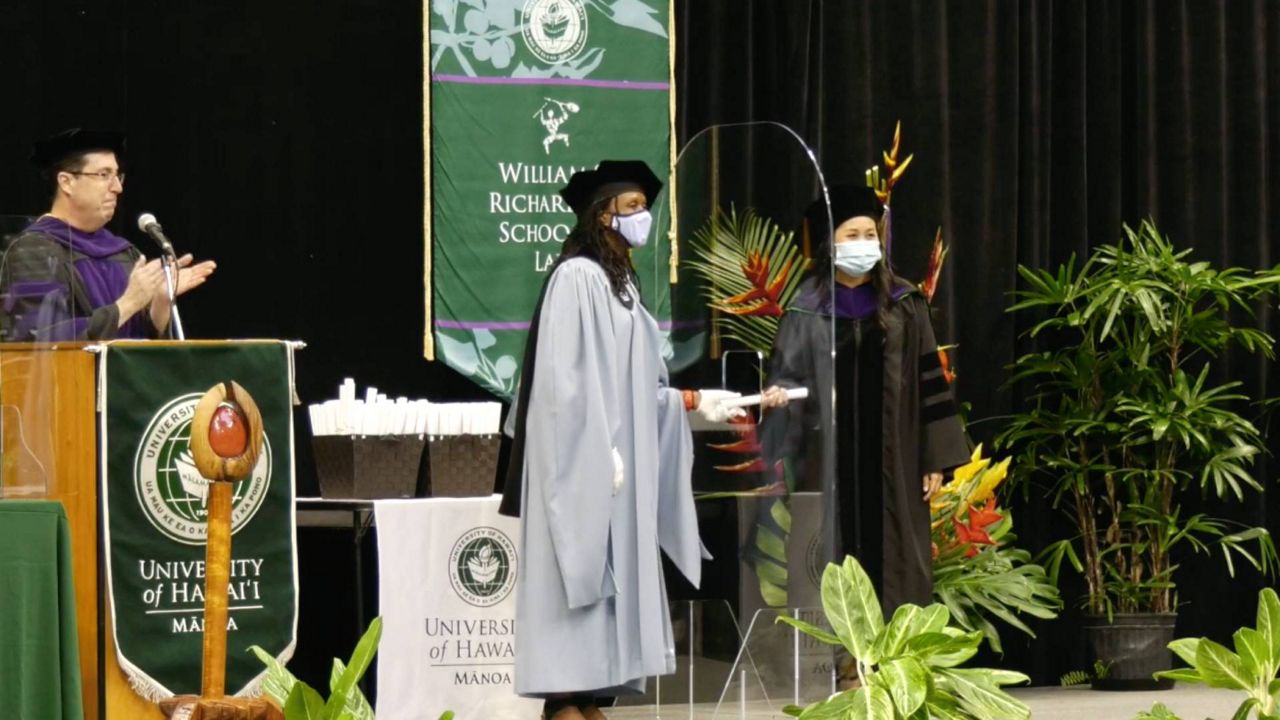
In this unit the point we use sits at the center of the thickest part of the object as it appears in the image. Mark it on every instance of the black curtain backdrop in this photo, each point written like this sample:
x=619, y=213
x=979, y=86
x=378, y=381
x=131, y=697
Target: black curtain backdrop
x=1038, y=129
x=284, y=140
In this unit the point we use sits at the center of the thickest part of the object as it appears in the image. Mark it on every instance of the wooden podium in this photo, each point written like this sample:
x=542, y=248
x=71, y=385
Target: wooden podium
x=48, y=436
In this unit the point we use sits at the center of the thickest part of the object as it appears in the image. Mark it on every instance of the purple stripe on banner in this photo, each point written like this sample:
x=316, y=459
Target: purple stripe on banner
x=614, y=84
x=681, y=324
x=480, y=325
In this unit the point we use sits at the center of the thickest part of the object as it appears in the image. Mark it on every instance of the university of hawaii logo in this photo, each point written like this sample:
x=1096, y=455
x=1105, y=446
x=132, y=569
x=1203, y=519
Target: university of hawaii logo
x=555, y=30
x=482, y=566
x=172, y=493
x=815, y=564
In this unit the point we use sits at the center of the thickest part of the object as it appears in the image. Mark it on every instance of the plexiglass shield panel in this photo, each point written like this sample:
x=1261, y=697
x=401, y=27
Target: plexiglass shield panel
x=752, y=272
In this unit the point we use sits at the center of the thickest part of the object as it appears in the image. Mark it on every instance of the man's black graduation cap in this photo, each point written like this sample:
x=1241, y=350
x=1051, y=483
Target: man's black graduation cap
x=611, y=177
x=50, y=151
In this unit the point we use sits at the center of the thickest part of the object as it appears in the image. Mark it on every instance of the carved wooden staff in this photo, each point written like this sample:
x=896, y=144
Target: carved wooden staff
x=226, y=441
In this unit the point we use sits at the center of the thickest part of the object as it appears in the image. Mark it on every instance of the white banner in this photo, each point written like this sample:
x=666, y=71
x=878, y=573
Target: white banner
x=447, y=579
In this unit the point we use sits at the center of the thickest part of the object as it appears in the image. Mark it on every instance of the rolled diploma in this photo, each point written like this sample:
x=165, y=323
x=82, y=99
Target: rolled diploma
x=745, y=400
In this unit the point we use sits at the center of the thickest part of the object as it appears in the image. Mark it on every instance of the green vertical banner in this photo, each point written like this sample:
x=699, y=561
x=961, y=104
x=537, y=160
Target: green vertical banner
x=520, y=94
x=155, y=512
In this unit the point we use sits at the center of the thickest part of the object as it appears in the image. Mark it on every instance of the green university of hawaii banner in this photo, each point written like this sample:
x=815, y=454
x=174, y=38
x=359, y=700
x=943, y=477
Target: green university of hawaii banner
x=155, y=512
x=520, y=94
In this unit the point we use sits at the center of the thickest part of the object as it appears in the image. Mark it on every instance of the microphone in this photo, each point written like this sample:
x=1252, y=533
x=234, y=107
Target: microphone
x=147, y=224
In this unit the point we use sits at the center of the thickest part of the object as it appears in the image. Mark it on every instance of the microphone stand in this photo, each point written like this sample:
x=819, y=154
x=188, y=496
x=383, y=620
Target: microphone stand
x=170, y=265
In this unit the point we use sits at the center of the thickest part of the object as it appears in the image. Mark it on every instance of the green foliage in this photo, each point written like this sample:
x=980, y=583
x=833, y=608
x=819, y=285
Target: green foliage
x=1075, y=677
x=1000, y=582
x=1158, y=712
x=771, y=557
x=1081, y=677
x=1252, y=667
x=301, y=702
x=749, y=269
x=1123, y=422
x=910, y=666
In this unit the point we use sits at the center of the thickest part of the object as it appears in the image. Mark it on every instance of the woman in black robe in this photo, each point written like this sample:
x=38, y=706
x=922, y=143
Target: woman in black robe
x=894, y=423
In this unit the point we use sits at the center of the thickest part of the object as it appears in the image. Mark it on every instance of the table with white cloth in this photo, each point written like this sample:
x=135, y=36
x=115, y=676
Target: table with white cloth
x=447, y=577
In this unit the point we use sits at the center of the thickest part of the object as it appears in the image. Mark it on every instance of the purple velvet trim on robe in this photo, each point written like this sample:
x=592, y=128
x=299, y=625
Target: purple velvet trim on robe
x=103, y=276
x=854, y=303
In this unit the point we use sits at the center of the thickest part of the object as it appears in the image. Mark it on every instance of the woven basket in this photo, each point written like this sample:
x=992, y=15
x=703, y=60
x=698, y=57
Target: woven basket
x=462, y=465
x=380, y=466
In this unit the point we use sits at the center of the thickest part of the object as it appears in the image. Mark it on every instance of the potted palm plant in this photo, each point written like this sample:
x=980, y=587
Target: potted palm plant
x=1126, y=430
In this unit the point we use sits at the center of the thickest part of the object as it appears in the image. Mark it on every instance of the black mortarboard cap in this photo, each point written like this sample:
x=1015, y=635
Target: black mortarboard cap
x=847, y=201
x=50, y=151
x=609, y=178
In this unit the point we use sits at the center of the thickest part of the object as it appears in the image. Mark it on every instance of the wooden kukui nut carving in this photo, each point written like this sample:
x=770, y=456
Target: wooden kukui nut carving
x=226, y=442
x=226, y=433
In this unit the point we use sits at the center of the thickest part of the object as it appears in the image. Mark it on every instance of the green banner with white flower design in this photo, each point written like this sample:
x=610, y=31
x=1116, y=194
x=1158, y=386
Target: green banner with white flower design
x=520, y=95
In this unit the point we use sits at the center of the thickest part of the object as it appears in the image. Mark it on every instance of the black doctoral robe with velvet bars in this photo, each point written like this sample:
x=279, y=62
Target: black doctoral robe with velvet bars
x=895, y=421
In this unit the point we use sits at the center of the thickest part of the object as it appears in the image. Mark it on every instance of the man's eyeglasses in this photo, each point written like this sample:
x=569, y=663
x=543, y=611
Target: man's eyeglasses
x=104, y=175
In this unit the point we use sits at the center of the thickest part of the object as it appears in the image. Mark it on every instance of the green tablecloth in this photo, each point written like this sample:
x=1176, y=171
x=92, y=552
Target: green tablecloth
x=39, y=653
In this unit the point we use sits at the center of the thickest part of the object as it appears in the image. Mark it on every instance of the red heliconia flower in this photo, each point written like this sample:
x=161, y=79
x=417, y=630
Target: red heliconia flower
x=754, y=465
x=762, y=298
x=934, y=269
x=971, y=536
x=985, y=516
x=946, y=366
x=748, y=444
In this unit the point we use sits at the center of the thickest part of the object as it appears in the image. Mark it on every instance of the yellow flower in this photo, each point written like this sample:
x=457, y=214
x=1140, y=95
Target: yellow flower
x=989, y=482
x=969, y=470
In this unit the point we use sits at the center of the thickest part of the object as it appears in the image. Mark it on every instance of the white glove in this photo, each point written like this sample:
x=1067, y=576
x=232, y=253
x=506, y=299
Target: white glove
x=619, y=472
x=711, y=405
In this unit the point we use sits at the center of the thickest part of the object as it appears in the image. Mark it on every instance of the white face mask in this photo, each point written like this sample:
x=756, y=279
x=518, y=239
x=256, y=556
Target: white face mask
x=857, y=257
x=634, y=228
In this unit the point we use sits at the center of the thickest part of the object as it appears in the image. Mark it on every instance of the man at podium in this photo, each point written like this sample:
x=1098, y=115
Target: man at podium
x=66, y=277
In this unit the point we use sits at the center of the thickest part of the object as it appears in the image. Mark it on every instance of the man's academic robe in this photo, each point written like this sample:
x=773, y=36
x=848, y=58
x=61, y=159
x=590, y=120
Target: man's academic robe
x=60, y=283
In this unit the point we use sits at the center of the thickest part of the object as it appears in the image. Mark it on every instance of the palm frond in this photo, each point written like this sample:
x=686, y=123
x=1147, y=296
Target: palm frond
x=749, y=270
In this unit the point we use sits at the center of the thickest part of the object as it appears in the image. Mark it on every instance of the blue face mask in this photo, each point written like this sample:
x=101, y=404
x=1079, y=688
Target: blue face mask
x=857, y=257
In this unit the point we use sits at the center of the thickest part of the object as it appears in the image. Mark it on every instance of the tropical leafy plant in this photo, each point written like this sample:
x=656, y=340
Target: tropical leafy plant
x=1251, y=668
x=346, y=702
x=909, y=668
x=977, y=573
x=750, y=270
x=1123, y=423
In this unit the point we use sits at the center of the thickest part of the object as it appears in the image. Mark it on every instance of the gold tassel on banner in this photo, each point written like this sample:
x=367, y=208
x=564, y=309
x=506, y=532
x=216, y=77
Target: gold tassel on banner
x=428, y=342
x=715, y=218
x=672, y=234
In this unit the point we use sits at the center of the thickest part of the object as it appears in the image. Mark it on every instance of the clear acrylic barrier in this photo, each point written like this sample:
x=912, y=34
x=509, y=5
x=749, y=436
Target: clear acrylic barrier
x=751, y=212
x=46, y=378
x=725, y=671
x=778, y=666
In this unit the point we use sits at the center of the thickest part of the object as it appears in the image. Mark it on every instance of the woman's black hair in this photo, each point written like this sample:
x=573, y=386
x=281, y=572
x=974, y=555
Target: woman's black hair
x=589, y=238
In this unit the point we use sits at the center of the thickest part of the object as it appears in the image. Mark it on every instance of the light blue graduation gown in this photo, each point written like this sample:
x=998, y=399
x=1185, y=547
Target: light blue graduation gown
x=591, y=612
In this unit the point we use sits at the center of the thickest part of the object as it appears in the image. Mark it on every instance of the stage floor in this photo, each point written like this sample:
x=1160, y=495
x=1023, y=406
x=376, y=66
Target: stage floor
x=1047, y=703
